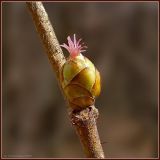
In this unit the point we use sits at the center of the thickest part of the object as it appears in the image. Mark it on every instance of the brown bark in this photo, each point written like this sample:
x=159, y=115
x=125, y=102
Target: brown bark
x=84, y=121
x=85, y=124
x=47, y=35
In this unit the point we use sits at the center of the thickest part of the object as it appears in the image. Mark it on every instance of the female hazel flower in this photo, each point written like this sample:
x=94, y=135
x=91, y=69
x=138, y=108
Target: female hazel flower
x=79, y=78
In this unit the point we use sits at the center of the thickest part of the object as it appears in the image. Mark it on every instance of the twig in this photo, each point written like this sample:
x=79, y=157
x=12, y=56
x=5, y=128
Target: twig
x=86, y=128
x=47, y=35
x=84, y=120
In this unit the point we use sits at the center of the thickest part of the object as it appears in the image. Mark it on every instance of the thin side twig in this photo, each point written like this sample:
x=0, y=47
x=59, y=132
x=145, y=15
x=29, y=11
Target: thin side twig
x=84, y=121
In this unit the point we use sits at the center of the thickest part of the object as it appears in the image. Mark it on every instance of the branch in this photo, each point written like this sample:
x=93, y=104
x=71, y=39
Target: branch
x=86, y=128
x=47, y=35
x=84, y=121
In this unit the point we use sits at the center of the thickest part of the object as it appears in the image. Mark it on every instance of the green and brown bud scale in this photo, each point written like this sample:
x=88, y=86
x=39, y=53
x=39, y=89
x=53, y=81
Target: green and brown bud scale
x=79, y=77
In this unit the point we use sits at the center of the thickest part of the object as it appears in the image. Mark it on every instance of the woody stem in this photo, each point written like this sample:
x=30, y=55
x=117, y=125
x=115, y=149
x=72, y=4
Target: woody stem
x=84, y=121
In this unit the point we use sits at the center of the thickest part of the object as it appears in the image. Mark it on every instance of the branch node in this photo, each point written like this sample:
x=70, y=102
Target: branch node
x=82, y=117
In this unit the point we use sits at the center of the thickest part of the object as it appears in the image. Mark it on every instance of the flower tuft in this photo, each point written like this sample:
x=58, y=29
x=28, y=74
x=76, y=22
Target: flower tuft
x=74, y=47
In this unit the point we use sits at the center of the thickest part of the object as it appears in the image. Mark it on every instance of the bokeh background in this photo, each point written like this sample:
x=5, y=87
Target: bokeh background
x=122, y=40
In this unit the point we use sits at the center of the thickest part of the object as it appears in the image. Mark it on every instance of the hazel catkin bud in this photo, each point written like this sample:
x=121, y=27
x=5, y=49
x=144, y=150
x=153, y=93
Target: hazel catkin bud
x=79, y=78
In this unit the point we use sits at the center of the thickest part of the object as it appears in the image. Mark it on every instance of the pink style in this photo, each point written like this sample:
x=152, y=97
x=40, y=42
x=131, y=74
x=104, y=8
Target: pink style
x=74, y=47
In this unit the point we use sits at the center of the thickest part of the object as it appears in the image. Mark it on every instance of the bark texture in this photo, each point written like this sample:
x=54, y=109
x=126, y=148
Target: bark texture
x=84, y=121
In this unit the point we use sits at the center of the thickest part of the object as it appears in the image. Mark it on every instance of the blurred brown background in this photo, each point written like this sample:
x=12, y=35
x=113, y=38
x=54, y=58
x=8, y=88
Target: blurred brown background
x=122, y=43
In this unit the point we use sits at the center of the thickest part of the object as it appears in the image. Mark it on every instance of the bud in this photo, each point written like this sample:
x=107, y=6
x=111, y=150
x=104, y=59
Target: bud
x=79, y=78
